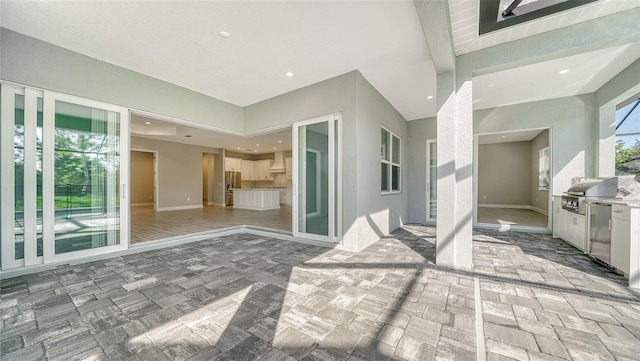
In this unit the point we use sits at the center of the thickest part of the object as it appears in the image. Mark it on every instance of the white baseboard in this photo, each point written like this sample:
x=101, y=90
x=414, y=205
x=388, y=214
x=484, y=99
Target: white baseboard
x=179, y=208
x=141, y=204
x=540, y=210
x=515, y=206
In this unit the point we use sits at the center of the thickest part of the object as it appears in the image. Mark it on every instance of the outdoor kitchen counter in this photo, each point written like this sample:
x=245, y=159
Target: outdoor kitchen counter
x=625, y=236
x=259, y=199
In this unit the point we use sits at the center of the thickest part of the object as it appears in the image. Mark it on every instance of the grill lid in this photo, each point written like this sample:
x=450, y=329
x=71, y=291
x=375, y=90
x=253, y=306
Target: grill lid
x=595, y=187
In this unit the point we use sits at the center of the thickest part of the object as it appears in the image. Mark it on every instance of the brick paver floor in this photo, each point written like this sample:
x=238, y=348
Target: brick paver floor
x=246, y=297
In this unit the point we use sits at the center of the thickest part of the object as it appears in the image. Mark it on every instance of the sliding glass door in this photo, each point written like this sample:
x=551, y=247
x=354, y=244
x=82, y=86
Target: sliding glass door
x=316, y=179
x=65, y=174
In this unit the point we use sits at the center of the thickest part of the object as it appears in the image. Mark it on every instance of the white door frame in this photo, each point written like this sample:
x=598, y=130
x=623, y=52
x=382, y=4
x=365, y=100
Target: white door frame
x=48, y=186
x=334, y=158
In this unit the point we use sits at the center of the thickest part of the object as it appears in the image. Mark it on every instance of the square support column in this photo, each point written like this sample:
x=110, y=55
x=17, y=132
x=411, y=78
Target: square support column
x=455, y=170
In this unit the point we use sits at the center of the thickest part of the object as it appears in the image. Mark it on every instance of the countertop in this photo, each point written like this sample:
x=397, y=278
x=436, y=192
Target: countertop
x=631, y=202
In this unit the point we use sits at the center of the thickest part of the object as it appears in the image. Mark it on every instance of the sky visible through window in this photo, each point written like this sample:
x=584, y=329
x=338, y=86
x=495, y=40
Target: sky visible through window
x=629, y=131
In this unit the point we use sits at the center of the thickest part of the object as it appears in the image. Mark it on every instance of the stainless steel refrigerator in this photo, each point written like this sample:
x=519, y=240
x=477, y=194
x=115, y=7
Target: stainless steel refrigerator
x=232, y=180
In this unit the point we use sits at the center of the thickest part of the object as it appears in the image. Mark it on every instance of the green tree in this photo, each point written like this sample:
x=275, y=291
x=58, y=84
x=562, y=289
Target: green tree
x=627, y=159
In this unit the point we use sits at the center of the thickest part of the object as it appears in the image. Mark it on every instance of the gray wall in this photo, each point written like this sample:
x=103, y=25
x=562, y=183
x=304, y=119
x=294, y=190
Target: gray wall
x=377, y=214
x=504, y=174
x=366, y=214
x=179, y=171
x=330, y=96
x=29, y=61
x=539, y=198
x=141, y=178
x=419, y=131
x=571, y=120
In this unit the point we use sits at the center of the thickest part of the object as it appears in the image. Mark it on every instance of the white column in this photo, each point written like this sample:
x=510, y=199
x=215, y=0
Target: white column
x=455, y=182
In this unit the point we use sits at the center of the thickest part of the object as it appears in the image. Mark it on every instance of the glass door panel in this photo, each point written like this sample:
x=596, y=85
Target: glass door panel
x=86, y=177
x=316, y=179
x=432, y=180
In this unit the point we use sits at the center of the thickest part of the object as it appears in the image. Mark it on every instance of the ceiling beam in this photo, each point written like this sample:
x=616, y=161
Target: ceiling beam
x=436, y=25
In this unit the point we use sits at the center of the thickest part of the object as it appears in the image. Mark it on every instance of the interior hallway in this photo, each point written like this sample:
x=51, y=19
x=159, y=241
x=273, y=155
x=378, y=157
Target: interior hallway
x=147, y=225
x=247, y=297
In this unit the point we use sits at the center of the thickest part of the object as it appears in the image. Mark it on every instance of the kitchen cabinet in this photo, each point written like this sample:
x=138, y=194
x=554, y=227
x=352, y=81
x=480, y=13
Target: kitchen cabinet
x=569, y=226
x=620, y=238
x=559, y=218
x=288, y=169
x=248, y=170
x=262, y=169
x=256, y=199
x=232, y=164
x=576, y=230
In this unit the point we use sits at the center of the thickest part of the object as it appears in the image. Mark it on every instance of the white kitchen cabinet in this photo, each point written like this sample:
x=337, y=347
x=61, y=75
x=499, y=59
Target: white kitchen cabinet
x=288, y=168
x=232, y=164
x=576, y=230
x=262, y=169
x=559, y=218
x=620, y=238
x=569, y=226
x=248, y=170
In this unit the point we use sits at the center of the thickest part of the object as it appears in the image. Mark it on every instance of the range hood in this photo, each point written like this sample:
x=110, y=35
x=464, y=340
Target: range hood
x=279, y=165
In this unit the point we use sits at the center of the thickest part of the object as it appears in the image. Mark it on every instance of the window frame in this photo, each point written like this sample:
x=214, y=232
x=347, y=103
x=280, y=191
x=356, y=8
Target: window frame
x=388, y=160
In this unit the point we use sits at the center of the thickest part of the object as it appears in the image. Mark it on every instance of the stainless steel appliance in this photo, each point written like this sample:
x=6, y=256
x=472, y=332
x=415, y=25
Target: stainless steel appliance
x=600, y=231
x=233, y=180
x=590, y=188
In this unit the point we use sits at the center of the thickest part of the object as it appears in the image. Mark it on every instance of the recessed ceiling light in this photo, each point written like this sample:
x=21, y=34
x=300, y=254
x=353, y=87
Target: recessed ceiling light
x=224, y=35
x=490, y=85
x=237, y=147
x=279, y=141
x=504, y=136
x=147, y=123
x=563, y=71
x=188, y=136
x=255, y=151
x=257, y=145
x=430, y=97
x=288, y=74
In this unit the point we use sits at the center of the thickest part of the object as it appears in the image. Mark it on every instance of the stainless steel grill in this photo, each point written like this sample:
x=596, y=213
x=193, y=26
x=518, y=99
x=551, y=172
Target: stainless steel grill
x=590, y=188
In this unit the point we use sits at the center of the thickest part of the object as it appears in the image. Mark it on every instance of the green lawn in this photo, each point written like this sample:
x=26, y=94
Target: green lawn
x=62, y=202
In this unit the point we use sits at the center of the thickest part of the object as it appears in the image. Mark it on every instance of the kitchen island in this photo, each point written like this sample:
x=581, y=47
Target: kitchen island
x=259, y=199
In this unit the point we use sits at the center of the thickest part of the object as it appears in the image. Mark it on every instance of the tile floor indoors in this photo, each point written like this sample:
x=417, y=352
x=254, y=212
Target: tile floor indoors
x=148, y=225
x=512, y=217
x=246, y=297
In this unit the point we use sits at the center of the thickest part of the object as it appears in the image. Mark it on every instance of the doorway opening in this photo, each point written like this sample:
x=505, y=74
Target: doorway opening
x=144, y=175
x=513, y=179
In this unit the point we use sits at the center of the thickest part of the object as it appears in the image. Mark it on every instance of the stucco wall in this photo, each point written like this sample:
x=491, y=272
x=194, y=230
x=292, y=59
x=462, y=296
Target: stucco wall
x=377, y=214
